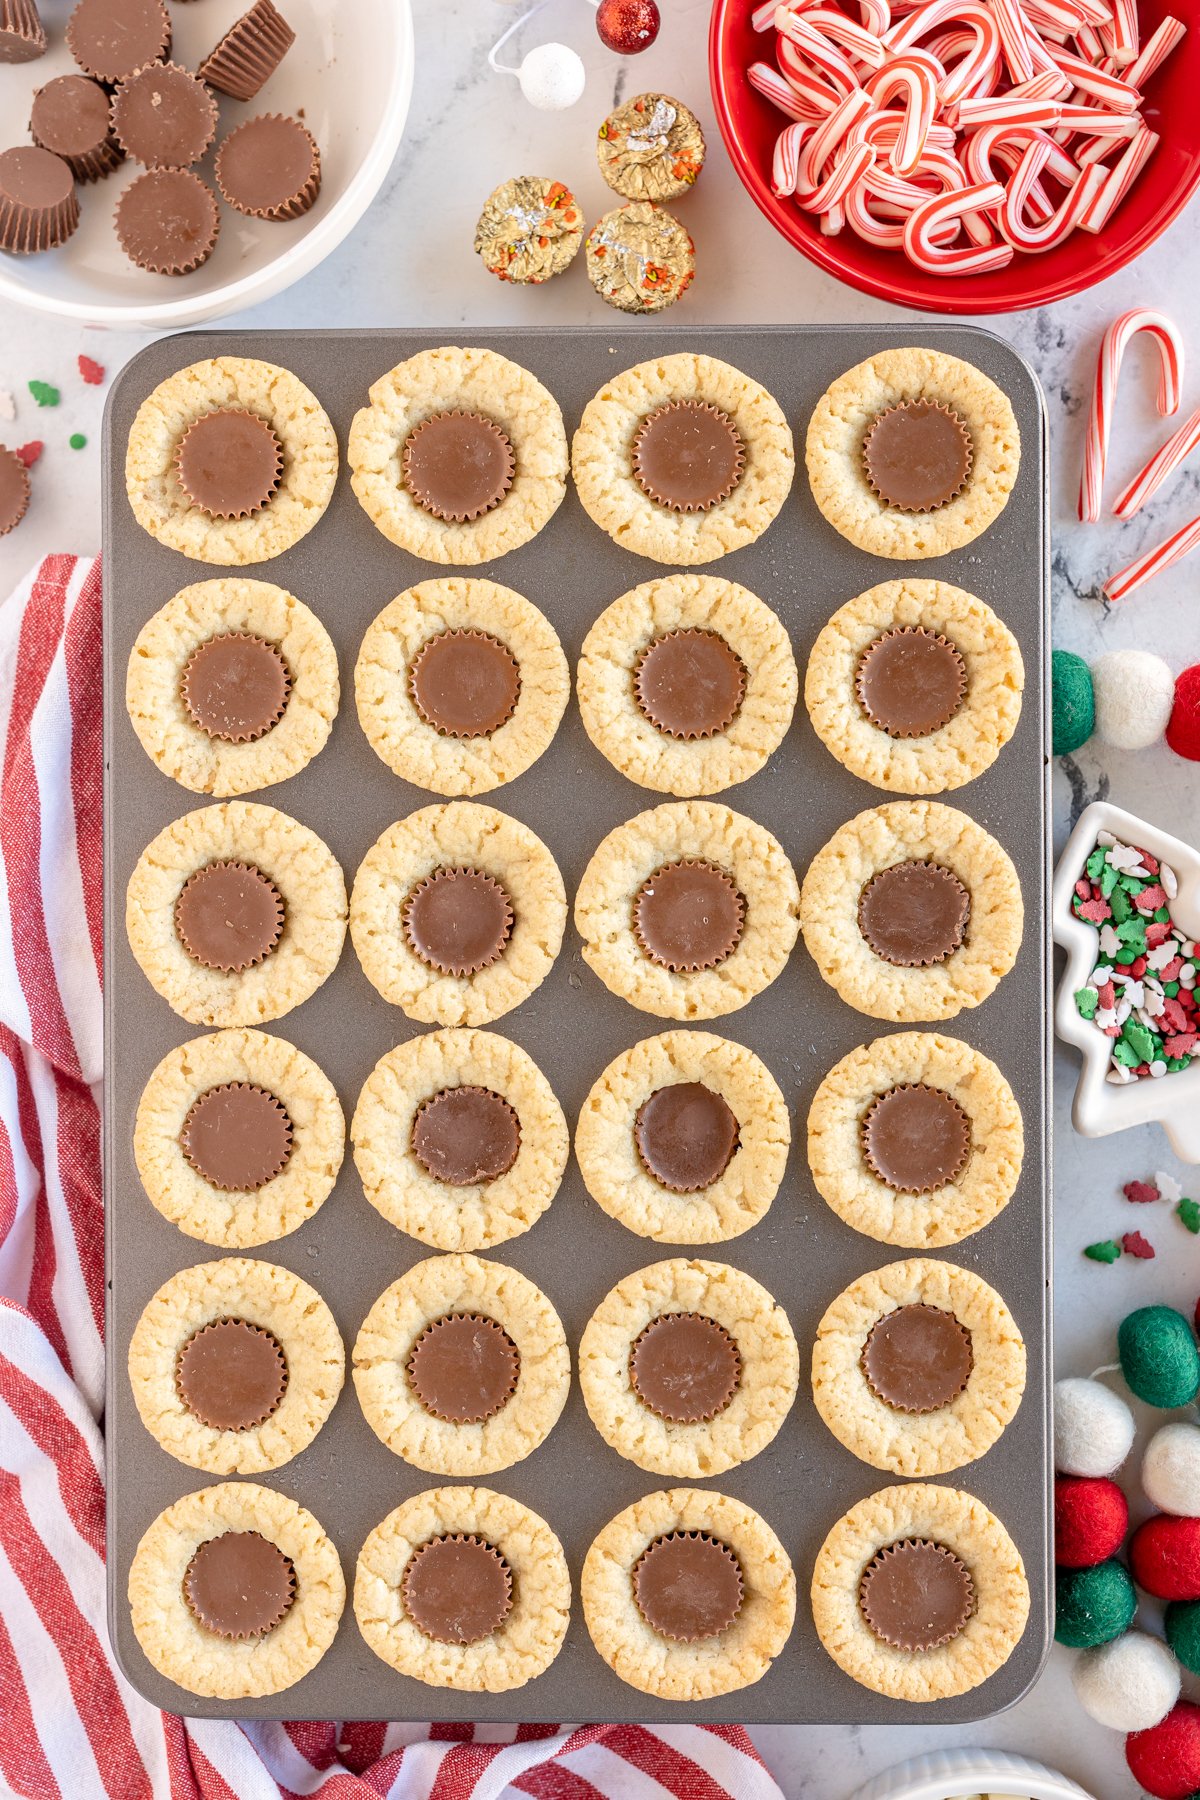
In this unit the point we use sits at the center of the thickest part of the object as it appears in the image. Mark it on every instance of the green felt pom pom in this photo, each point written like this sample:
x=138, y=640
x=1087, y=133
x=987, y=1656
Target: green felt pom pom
x=1073, y=704
x=1091, y=1606
x=1159, y=1359
x=1181, y=1621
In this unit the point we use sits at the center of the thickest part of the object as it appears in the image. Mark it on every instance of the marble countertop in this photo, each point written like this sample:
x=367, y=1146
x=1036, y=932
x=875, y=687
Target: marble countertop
x=410, y=262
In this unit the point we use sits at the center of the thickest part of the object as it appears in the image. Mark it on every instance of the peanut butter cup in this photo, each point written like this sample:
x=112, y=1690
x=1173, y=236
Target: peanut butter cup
x=237, y=1137
x=239, y=1585
x=688, y=456
x=465, y=684
x=22, y=34
x=911, y=681
x=38, y=205
x=917, y=455
x=918, y=1358
x=167, y=221
x=915, y=1595
x=688, y=916
x=229, y=463
x=457, y=921
x=70, y=118
x=15, y=489
x=914, y=914
x=689, y=683
x=229, y=916
x=457, y=465
x=269, y=168
x=915, y=1138
x=466, y=1135
x=163, y=117
x=457, y=1589
x=249, y=53
x=688, y=1586
x=685, y=1136
x=231, y=1375
x=464, y=1368
x=235, y=687
x=685, y=1367
x=109, y=39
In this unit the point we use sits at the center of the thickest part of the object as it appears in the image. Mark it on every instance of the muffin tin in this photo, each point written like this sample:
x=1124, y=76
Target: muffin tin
x=347, y=571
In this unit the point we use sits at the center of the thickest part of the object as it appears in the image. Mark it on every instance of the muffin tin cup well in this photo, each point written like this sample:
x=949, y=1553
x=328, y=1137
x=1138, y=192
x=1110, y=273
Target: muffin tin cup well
x=572, y=1026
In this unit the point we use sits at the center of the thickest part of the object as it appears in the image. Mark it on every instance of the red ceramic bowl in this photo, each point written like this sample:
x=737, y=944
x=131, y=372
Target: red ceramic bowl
x=750, y=124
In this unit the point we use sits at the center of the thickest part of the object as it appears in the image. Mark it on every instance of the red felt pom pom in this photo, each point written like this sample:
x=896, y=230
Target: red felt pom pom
x=1164, y=1558
x=1165, y=1759
x=1183, y=727
x=1091, y=1517
x=627, y=26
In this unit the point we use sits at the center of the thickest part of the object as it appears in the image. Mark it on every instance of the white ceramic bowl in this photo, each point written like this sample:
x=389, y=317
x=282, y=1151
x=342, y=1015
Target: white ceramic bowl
x=1102, y=1106
x=953, y=1772
x=350, y=69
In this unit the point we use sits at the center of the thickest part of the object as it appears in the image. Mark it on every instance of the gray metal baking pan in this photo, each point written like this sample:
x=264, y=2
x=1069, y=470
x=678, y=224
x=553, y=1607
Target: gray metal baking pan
x=572, y=1026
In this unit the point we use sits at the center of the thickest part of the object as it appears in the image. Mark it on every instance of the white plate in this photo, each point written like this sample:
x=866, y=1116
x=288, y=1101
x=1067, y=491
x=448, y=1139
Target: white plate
x=956, y=1772
x=350, y=71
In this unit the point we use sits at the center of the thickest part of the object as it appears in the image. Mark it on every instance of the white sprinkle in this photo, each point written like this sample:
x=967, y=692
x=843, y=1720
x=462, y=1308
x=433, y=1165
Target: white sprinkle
x=1124, y=1008
x=1135, y=993
x=1166, y=1184
x=1187, y=975
x=1170, y=884
x=1161, y=955
x=1158, y=1068
x=1106, y=1016
x=1119, y=1074
x=1128, y=860
x=1105, y=838
x=1100, y=974
x=1110, y=943
x=1156, y=1004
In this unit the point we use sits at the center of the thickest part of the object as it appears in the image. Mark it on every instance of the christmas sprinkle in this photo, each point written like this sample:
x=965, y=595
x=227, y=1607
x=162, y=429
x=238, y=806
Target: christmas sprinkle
x=77, y=440
x=29, y=453
x=91, y=371
x=1141, y=991
x=1134, y=1244
x=1105, y=1252
x=1141, y=1192
x=44, y=393
x=1189, y=1215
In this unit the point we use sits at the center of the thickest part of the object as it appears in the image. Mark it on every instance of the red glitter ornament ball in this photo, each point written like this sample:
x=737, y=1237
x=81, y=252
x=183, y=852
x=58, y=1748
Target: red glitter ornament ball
x=1164, y=1558
x=1183, y=727
x=627, y=26
x=1091, y=1517
x=1165, y=1759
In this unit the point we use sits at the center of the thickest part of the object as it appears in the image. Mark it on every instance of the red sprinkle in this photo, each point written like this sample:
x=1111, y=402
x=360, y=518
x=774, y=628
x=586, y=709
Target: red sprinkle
x=1083, y=888
x=1095, y=911
x=1134, y=1244
x=1138, y=967
x=92, y=371
x=1183, y=1044
x=1140, y=1192
x=29, y=453
x=1107, y=995
x=1151, y=898
x=1150, y=863
x=1157, y=932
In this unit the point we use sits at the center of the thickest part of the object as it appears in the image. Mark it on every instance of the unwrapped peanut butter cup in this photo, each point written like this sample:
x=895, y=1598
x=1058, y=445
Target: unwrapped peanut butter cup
x=915, y=1595
x=109, y=39
x=38, y=206
x=235, y=687
x=910, y=681
x=917, y=455
x=70, y=118
x=465, y=1135
x=231, y=1375
x=269, y=168
x=457, y=465
x=249, y=53
x=229, y=916
x=229, y=463
x=914, y=914
x=163, y=116
x=237, y=1137
x=457, y=1589
x=22, y=34
x=688, y=916
x=688, y=456
x=917, y=1359
x=457, y=921
x=688, y=1586
x=167, y=221
x=15, y=489
x=915, y=1139
x=684, y=1367
x=463, y=1368
x=689, y=683
x=239, y=1585
x=685, y=1136
x=465, y=684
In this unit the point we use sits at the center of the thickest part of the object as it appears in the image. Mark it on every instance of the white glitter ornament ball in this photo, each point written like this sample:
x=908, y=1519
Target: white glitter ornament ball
x=1134, y=693
x=552, y=78
x=1093, y=1427
x=1171, y=1469
x=1128, y=1684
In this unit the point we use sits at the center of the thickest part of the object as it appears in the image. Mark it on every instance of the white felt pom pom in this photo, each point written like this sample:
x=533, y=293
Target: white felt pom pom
x=1128, y=1684
x=552, y=78
x=1171, y=1469
x=1134, y=692
x=1093, y=1427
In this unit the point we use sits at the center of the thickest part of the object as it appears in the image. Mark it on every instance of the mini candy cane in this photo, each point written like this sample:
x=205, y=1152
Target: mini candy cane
x=1014, y=38
x=785, y=163
x=1157, y=48
x=937, y=260
x=1003, y=111
x=877, y=16
x=812, y=90
x=1113, y=346
x=832, y=64
x=1097, y=123
x=1119, y=179
x=849, y=165
x=862, y=45
x=780, y=93
x=1147, y=481
x=1024, y=235
x=1114, y=92
x=1184, y=541
x=1125, y=33
x=911, y=76
x=827, y=139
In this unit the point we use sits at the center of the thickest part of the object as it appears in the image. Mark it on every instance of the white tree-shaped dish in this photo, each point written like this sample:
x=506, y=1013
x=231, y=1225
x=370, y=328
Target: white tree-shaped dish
x=1101, y=1106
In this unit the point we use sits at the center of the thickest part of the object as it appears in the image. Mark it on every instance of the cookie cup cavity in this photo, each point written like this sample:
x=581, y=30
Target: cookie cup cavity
x=530, y=1637
x=473, y=381
x=263, y=1294
x=950, y=1213
x=602, y=460
x=666, y=1668
x=834, y=452
x=395, y=729
x=620, y=730
x=239, y=383
x=194, y=1658
x=940, y=1515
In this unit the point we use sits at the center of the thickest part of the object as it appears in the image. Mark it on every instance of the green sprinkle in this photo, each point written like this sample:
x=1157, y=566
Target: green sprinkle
x=1108, y=880
x=1124, y=1055
x=1189, y=1213
x=1163, y=915
x=1170, y=989
x=1105, y=1252
x=1095, y=864
x=1140, y=1039
x=1124, y=956
x=1122, y=905
x=1175, y=1063
x=43, y=393
x=1086, y=1002
x=77, y=440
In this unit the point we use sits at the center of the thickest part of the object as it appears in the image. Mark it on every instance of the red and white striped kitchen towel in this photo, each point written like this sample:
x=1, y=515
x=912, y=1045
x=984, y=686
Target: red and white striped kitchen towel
x=70, y=1726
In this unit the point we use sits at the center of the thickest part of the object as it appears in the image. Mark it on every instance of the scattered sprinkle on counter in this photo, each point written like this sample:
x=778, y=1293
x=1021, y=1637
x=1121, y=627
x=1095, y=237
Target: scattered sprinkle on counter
x=30, y=452
x=77, y=440
x=44, y=393
x=91, y=371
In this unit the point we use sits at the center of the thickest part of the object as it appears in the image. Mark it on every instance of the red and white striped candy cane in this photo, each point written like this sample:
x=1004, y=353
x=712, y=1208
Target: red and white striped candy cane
x=831, y=62
x=911, y=76
x=772, y=85
x=1163, y=556
x=763, y=17
x=1047, y=84
x=1024, y=234
x=1014, y=38
x=827, y=139
x=1110, y=89
x=1002, y=111
x=832, y=220
x=1097, y=123
x=849, y=166
x=1119, y=179
x=1113, y=345
x=1161, y=466
x=1156, y=50
x=876, y=16
x=860, y=45
x=785, y=162
x=936, y=259
x=813, y=91
x=1126, y=35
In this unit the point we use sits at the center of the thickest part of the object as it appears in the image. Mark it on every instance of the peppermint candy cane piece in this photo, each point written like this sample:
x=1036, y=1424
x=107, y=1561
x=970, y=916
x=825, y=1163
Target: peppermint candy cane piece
x=1097, y=123
x=1014, y=38
x=1161, y=466
x=876, y=16
x=813, y=90
x=860, y=45
x=827, y=139
x=1126, y=36
x=1120, y=178
x=1113, y=345
x=1163, y=556
x=785, y=163
x=849, y=165
x=1170, y=33
x=1046, y=235
x=919, y=245
x=771, y=84
x=1114, y=92
x=829, y=60
x=911, y=76
x=1004, y=111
